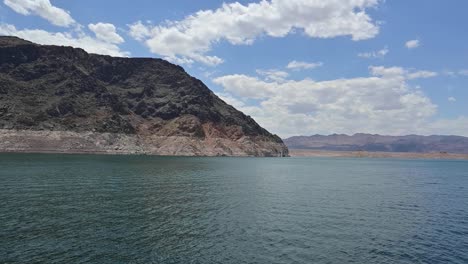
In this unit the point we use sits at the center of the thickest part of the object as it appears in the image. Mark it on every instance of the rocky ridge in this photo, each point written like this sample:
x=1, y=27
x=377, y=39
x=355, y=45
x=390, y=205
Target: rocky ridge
x=62, y=99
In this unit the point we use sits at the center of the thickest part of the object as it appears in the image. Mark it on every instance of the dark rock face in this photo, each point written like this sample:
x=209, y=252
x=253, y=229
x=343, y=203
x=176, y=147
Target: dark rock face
x=66, y=89
x=367, y=142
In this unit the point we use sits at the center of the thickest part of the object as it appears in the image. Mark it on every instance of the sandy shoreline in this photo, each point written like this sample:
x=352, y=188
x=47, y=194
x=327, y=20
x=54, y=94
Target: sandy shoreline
x=366, y=154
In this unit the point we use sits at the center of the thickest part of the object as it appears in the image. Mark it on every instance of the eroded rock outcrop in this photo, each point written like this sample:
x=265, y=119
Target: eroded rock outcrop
x=62, y=99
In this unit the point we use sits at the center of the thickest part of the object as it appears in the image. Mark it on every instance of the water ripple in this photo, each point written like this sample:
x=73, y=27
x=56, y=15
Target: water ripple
x=118, y=209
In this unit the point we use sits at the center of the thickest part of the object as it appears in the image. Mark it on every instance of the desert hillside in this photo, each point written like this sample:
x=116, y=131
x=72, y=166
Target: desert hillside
x=62, y=99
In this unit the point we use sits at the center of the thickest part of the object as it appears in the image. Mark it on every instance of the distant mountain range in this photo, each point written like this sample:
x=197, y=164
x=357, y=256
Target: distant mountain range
x=368, y=142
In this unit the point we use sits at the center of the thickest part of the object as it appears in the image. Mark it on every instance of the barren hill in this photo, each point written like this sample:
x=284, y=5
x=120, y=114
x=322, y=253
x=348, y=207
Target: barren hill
x=62, y=99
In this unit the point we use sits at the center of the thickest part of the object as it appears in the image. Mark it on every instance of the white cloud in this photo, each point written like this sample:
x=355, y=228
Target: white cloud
x=273, y=75
x=301, y=65
x=139, y=31
x=452, y=99
x=74, y=39
x=245, y=86
x=412, y=44
x=400, y=72
x=42, y=8
x=422, y=74
x=106, y=32
x=231, y=100
x=457, y=126
x=374, y=54
x=387, y=72
x=382, y=103
x=106, y=40
x=178, y=60
x=193, y=37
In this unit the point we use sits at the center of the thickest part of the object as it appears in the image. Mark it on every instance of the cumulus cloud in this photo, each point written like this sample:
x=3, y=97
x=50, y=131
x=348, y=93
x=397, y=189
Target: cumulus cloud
x=105, y=42
x=74, y=39
x=193, y=37
x=412, y=44
x=374, y=54
x=452, y=99
x=106, y=32
x=456, y=126
x=244, y=86
x=42, y=8
x=226, y=97
x=139, y=31
x=387, y=71
x=383, y=102
x=273, y=75
x=301, y=65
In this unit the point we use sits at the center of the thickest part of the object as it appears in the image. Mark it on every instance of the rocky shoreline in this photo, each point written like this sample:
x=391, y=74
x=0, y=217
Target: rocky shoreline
x=27, y=141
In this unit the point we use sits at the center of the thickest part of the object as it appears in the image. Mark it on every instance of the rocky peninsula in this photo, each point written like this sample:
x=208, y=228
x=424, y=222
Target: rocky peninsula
x=63, y=100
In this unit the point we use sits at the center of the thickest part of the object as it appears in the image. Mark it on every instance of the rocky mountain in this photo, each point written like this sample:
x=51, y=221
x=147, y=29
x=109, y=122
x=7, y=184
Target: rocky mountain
x=367, y=142
x=62, y=99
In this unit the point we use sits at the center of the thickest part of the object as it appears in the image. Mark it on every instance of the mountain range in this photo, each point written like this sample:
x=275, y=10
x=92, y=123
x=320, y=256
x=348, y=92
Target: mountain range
x=379, y=143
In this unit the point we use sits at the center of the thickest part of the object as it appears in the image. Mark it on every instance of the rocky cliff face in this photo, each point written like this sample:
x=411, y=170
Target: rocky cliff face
x=63, y=99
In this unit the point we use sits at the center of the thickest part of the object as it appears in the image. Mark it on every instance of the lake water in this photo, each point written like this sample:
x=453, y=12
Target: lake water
x=136, y=209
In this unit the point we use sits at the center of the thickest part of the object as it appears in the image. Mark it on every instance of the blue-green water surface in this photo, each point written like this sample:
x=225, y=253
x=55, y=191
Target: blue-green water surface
x=137, y=209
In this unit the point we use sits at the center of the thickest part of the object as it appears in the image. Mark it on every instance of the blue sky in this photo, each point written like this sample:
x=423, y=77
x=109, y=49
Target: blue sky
x=389, y=67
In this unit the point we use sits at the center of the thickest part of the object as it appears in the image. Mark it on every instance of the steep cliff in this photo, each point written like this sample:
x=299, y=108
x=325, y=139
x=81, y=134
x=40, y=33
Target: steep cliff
x=62, y=99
